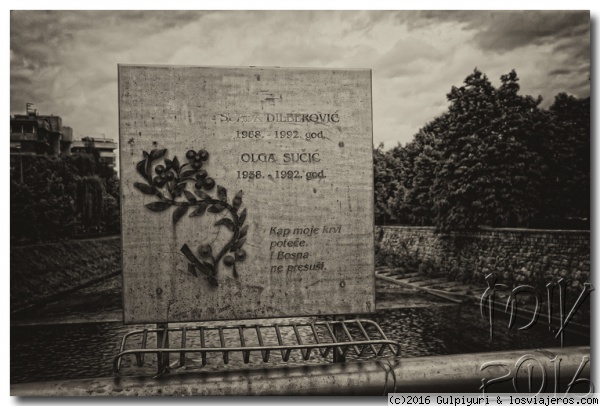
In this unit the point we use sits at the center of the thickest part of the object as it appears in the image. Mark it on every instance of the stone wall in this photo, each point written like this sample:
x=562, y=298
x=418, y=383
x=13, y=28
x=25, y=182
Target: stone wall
x=516, y=256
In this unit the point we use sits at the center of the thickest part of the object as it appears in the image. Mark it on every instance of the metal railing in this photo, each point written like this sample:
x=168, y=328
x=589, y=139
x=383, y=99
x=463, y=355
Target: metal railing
x=326, y=337
x=458, y=373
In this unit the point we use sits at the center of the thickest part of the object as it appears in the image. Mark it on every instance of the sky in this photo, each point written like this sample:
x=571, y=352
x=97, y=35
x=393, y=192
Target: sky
x=65, y=62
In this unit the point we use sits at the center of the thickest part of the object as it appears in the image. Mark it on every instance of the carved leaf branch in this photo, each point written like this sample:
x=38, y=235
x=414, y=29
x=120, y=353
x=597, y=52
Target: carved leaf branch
x=174, y=176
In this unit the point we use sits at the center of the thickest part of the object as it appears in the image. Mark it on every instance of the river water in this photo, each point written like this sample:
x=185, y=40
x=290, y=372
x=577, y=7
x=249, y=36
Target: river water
x=86, y=350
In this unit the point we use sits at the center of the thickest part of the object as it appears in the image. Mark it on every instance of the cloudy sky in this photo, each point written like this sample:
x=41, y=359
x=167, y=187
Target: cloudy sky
x=66, y=62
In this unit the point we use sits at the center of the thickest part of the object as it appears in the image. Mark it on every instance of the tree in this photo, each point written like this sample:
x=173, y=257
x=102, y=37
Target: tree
x=489, y=172
x=495, y=158
x=420, y=158
x=62, y=197
x=386, y=173
x=568, y=155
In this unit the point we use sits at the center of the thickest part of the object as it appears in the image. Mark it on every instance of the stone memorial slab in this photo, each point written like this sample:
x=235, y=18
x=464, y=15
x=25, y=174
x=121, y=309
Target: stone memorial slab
x=246, y=192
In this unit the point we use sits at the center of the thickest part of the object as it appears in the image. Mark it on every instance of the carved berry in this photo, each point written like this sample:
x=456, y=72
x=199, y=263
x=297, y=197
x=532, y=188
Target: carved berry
x=228, y=260
x=240, y=255
x=237, y=202
x=159, y=169
x=198, y=185
x=205, y=250
x=203, y=154
x=170, y=176
x=209, y=183
x=197, y=164
x=201, y=175
x=159, y=181
x=191, y=154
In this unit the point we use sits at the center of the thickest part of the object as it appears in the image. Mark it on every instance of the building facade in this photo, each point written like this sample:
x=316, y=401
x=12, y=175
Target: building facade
x=101, y=148
x=32, y=134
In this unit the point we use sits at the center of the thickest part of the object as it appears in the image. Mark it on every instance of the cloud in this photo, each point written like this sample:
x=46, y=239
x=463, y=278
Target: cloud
x=66, y=61
x=507, y=30
x=407, y=57
x=504, y=31
x=556, y=72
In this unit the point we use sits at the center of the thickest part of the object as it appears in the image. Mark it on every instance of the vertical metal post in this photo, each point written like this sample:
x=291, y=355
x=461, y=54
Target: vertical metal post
x=162, y=339
x=339, y=336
